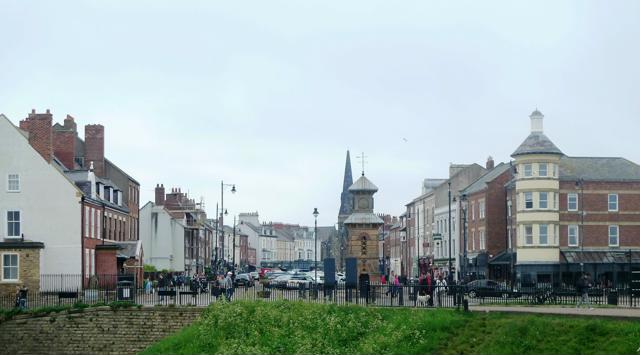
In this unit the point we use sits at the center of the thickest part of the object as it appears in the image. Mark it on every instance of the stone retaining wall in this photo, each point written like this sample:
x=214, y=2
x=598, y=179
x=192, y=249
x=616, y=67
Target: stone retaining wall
x=93, y=331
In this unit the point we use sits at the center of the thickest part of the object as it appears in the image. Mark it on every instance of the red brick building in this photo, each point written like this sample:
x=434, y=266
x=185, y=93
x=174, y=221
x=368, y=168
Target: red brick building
x=484, y=204
x=599, y=217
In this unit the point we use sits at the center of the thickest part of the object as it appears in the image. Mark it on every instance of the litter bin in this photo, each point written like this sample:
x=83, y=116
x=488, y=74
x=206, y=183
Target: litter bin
x=126, y=291
x=612, y=298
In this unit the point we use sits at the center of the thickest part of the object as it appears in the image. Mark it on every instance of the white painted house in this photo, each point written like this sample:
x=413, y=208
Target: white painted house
x=162, y=238
x=39, y=202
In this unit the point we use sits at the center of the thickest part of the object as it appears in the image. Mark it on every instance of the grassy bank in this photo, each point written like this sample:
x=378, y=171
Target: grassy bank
x=301, y=328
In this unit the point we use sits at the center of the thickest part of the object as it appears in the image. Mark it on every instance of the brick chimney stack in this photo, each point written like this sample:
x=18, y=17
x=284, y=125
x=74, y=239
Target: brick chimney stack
x=40, y=136
x=64, y=142
x=94, y=148
x=490, y=163
x=160, y=195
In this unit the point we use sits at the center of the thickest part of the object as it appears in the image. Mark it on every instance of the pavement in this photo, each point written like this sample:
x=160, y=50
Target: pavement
x=573, y=311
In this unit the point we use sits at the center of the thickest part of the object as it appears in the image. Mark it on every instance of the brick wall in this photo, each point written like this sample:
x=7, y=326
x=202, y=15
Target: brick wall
x=94, y=148
x=40, y=134
x=496, y=214
x=64, y=147
x=106, y=262
x=28, y=273
x=597, y=215
x=93, y=331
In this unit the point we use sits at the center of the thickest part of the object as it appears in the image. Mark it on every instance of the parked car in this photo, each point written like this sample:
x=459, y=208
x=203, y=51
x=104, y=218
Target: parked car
x=255, y=275
x=280, y=281
x=244, y=280
x=273, y=275
x=296, y=280
x=489, y=288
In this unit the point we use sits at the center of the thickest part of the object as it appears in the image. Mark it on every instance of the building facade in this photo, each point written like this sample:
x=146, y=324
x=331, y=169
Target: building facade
x=38, y=202
x=176, y=232
x=573, y=214
x=483, y=205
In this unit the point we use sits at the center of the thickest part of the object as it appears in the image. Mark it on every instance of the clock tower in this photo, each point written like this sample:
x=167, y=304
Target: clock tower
x=362, y=226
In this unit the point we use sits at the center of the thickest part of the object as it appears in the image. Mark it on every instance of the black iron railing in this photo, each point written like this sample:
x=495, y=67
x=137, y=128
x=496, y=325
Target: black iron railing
x=68, y=289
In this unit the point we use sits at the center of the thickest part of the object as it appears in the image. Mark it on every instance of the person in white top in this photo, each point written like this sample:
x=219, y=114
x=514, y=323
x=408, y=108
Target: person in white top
x=440, y=291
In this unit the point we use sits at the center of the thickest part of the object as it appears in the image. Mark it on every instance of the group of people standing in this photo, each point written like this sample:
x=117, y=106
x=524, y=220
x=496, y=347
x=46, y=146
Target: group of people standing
x=431, y=285
x=222, y=286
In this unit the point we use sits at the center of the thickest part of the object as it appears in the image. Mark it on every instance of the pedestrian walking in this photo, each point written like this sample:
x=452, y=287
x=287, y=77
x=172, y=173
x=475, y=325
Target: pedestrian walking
x=162, y=286
x=390, y=286
x=441, y=289
x=396, y=286
x=228, y=286
x=583, y=286
x=147, y=286
x=429, y=282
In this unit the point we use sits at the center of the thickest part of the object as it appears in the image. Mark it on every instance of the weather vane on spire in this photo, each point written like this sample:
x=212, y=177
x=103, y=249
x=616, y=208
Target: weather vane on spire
x=363, y=161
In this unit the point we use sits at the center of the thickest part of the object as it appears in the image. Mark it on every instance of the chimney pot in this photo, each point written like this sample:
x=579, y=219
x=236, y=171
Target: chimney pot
x=48, y=111
x=490, y=163
x=33, y=111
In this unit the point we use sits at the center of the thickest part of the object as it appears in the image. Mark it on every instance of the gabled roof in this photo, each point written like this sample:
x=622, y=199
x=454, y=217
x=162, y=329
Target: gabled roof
x=363, y=184
x=598, y=169
x=537, y=143
x=482, y=181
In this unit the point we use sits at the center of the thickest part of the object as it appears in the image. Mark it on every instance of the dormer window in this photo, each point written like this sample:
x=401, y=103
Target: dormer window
x=107, y=193
x=115, y=197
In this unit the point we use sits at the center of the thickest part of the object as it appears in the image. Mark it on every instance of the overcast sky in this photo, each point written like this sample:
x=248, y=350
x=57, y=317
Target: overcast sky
x=269, y=95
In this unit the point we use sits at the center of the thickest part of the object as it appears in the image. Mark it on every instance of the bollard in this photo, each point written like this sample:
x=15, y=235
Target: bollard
x=465, y=304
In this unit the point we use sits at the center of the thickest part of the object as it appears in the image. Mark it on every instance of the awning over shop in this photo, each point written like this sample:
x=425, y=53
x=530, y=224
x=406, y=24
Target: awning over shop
x=600, y=256
x=504, y=258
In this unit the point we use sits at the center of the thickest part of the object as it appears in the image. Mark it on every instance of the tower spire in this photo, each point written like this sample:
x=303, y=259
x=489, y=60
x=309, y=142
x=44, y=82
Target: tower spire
x=348, y=177
x=346, y=203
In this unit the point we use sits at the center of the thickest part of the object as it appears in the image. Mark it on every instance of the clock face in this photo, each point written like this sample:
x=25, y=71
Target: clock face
x=363, y=203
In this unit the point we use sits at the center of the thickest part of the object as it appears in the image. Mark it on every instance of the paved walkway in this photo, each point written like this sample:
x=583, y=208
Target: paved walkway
x=599, y=312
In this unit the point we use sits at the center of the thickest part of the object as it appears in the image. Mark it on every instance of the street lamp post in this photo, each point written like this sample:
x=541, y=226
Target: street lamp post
x=580, y=183
x=463, y=263
x=315, y=245
x=418, y=237
x=222, y=210
x=215, y=249
x=233, y=260
x=450, y=276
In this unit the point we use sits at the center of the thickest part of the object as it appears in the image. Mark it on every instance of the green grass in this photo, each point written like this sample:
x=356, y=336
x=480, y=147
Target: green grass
x=302, y=328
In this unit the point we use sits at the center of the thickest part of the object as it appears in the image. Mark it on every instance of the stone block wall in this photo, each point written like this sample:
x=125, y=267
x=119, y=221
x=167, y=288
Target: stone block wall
x=94, y=330
x=28, y=271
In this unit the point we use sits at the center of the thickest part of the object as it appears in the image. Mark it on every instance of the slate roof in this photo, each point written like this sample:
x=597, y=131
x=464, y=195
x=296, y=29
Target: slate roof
x=482, y=181
x=363, y=184
x=598, y=169
x=599, y=256
x=129, y=249
x=80, y=178
x=537, y=143
x=359, y=217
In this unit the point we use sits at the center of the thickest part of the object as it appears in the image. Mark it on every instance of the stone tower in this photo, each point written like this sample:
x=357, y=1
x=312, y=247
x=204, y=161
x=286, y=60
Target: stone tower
x=362, y=226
